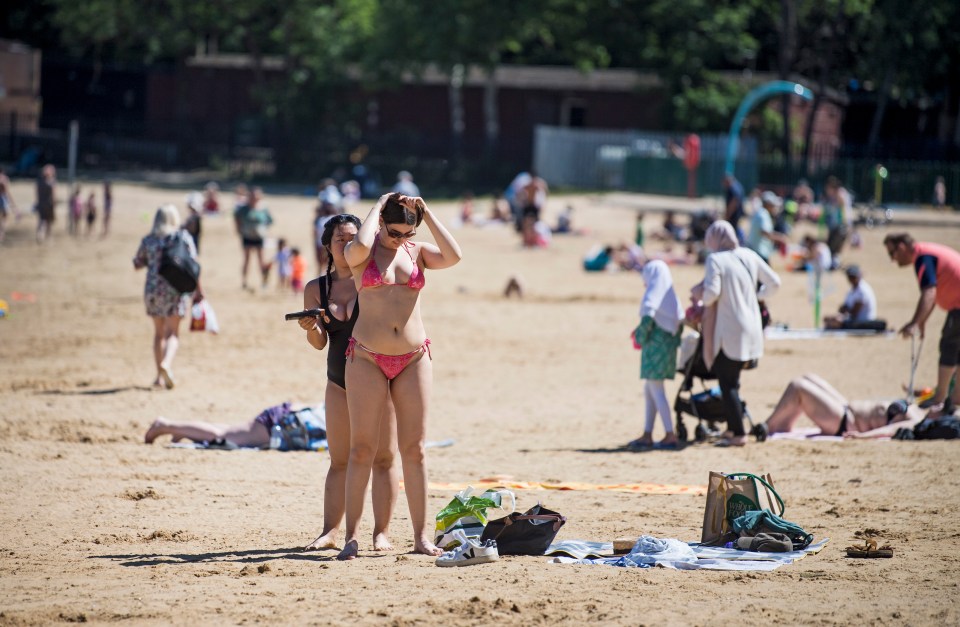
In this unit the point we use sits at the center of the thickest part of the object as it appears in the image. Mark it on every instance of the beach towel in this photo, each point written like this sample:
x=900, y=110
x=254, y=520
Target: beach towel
x=645, y=555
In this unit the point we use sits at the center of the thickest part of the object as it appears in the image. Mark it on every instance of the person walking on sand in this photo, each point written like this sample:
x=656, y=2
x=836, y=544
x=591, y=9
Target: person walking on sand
x=336, y=293
x=389, y=352
x=253, y=220
x=165, y=304
x=659, y=335
x=938, y=273
x=46, y=201
x=732, y=326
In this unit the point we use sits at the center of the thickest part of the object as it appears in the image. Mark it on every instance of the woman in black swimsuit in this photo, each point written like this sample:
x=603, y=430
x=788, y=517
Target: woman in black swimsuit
x=336, y=293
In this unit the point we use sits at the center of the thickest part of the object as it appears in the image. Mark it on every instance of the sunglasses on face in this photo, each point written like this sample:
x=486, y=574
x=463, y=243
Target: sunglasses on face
x=399, y=235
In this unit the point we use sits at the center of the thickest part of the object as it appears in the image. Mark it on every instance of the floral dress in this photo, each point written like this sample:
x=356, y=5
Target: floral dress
x=161, y=298
x=658, y=360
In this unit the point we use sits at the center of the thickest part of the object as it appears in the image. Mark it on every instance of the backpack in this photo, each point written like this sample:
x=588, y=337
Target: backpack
x=177, y=265
x=946, y=428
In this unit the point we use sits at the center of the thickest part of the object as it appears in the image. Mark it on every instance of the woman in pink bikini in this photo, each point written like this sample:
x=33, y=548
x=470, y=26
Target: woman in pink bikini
x=390, y=351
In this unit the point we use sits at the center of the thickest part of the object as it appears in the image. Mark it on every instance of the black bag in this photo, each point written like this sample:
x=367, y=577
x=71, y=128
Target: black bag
x=529, y=533
x=177, y=265
x=947, y=428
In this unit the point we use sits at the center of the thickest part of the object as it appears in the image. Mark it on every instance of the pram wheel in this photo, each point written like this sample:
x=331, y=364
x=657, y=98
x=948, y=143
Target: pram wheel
x=701, y=433
x=681, y=429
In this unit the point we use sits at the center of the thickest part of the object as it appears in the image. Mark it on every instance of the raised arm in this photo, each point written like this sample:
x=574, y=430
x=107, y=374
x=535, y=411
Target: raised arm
x=447, y=251
x=357, y=251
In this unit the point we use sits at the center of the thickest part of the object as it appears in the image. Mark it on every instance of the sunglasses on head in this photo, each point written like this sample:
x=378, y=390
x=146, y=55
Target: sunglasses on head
x=399, y=235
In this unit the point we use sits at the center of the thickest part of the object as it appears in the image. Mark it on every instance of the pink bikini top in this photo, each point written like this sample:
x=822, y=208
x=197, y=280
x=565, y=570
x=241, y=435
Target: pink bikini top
x=373, y=278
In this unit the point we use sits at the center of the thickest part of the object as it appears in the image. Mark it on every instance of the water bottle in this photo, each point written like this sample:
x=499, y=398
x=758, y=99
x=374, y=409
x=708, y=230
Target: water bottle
x=276, y=437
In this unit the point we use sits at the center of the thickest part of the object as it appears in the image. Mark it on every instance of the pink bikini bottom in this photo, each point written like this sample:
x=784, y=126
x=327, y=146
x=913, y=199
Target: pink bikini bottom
x=390, y=365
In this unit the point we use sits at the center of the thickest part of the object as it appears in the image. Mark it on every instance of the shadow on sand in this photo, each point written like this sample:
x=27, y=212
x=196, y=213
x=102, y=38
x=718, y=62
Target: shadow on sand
x=252, y=556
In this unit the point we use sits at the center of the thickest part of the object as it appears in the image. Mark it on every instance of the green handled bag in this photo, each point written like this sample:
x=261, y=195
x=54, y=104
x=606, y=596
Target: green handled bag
x=730, y=496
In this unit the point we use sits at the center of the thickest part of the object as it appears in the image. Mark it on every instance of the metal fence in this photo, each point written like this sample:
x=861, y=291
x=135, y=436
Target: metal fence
x=596, y=159
x=642, y=162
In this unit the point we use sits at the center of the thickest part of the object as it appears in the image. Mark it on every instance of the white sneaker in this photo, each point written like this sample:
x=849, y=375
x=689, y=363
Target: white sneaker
x=471, y=551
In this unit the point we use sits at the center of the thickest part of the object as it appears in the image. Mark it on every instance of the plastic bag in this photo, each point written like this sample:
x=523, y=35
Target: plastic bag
x=468, y=513
x=202, y=317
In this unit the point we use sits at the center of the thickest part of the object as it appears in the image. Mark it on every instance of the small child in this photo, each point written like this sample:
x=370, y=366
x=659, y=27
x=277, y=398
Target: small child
x=298, y=270
x=659, y=335
x=283, y=264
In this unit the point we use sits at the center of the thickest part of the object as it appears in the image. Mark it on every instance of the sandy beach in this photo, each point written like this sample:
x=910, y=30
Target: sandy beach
x=99, y=527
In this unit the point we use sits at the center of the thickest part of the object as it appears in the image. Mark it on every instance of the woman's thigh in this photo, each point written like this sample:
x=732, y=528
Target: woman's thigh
x=410, y=392
x=366, y=396
x=338, y=423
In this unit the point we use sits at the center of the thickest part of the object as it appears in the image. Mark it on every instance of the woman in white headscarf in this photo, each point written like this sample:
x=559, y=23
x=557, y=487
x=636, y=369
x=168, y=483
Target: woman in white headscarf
x=659, y=335
x=732, y=328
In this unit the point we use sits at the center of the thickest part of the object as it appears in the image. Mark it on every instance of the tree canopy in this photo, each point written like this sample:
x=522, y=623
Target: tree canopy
x=896, y=50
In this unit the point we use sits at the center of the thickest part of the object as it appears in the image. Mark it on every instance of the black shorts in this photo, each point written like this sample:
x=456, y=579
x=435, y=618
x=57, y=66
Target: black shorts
x=950, y=340
x=252, y=242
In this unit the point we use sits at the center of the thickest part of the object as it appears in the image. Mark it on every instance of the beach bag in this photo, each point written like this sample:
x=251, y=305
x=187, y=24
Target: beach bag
x=764, y=521
x=529, y=533
x=946, y=428
x=467, y=512
x=202, y=318
x=729, y=496
x=302, y=430
x=177, y=265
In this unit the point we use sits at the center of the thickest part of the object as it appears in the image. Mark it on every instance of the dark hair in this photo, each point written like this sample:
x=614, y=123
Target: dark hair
x=336, y=221
x=895, y=409
x=895, y=239
x=395, y=213
x=327, y=236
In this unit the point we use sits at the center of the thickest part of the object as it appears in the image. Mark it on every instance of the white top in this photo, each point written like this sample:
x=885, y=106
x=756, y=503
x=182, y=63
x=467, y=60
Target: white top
x=660, y=300
x=862, y=293
x=731, y=282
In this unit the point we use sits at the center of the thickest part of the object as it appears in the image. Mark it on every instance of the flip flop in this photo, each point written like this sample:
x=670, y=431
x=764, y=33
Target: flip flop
x=869, y=549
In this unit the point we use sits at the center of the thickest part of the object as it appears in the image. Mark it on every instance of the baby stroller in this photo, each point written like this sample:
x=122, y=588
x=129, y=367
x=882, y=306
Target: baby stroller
x=705, y=406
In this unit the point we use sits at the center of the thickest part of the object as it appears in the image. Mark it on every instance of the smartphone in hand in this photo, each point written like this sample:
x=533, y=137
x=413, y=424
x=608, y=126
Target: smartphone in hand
x=306, y=313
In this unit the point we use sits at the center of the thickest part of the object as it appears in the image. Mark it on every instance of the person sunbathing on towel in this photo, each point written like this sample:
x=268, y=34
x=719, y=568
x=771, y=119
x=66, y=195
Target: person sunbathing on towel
x=253, y=434
x=835, y=415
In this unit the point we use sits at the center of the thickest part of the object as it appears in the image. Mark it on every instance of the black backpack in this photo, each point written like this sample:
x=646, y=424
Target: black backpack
x=177, y=265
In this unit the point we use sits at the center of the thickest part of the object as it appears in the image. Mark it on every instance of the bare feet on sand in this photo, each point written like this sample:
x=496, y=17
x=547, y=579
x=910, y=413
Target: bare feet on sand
x=155, y=430
x=423, y=545
x=381, y=542
x=349, y=551
x=326, y=540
